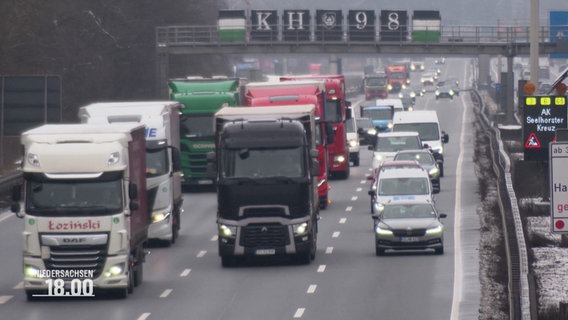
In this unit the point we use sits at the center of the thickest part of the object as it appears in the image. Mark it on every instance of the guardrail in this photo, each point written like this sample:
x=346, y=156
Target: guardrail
x=515, y=245
x=205, y=35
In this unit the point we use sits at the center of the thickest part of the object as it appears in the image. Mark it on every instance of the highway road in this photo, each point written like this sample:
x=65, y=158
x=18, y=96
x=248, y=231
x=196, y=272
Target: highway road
x=345, y=281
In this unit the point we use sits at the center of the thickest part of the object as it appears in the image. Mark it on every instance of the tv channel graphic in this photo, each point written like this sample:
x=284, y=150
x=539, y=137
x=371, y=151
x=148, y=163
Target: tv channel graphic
x=67, y=283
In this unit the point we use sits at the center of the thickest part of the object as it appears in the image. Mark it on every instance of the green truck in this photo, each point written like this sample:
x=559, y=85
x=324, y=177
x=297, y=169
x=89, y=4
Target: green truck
x=202, y=98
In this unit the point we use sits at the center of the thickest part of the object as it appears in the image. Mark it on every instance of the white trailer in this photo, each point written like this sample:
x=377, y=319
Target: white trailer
x=163, y=172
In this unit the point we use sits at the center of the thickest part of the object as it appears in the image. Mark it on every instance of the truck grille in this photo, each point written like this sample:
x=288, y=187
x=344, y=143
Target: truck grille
x=265, y=235
x=77, y=257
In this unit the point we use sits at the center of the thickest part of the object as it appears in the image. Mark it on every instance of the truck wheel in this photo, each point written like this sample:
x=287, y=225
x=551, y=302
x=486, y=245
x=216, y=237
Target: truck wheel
x=356, y=161
x=441, y=169
x=228, y=261
x=323, y=203
x=30, y=295
x=139, y=274
x=379, y=251
x=130, y=287
x=175, y=228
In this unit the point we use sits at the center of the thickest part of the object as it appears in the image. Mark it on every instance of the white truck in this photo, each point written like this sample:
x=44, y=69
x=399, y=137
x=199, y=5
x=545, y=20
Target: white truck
x=163, y=172
x=84, y=209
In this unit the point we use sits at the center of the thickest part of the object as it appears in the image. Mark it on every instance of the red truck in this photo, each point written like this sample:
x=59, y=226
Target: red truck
x=298, y=93
x=397, y=77
x=335, y=114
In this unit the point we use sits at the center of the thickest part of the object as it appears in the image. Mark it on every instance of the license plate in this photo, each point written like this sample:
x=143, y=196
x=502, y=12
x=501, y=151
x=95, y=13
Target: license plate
x=265, y=252
x=409, y=239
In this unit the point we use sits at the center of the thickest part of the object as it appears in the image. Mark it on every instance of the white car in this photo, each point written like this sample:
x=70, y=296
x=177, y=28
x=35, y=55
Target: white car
x=389, y=143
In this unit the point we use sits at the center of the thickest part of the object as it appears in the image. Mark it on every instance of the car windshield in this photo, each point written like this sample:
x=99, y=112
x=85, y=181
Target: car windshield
x=403, y=186
x=409, y=211
x=395, y=144
x=427, y=131
x=423, y=158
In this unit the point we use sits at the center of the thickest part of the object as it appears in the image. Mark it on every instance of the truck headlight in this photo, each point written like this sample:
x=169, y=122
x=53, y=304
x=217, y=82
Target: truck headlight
x=339, y=158
x=115, y=270
x=300, y=229
x=434, y=172
x=353, y=143
x=372, y=131
x=382, y=231
x=227, y=231
x=435, y=230
x=390, y=125
x=379, y=207
x=160, y=216
x=31, y=271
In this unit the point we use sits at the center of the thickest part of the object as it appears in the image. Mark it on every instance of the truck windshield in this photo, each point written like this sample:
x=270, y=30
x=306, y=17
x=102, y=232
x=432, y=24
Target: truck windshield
x=63, y=198
x=378, y=114
x=156, y=162
x=197, y=126
x=263, y=163
x=426, y=131
x=376, y=82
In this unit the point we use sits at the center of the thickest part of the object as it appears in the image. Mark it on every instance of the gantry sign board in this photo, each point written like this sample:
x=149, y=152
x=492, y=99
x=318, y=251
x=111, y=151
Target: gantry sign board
x=327, y=25
x=559, y=186
x=543, y=115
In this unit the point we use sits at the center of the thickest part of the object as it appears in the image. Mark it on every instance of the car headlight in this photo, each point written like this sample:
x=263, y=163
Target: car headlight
x=389, y=87
x=115, y=270
x=372, y=131
x=410, y=108
x=390, y=125
x=227, y=231
x=413, y=94
x=437, y=92
x=400, y=95
x=434, y=172
x=382, y=231
x=439, y=149
x=379, y=157
x=160, y=216
x=451, y=92
x=353, y=143
x=300, y=229
x=435, y=230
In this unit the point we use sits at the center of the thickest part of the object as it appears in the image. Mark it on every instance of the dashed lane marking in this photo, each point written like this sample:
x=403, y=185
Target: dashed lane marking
x=299, y=313
x=215, y=237
x=201, y=254
x=4, y=299
x=312, y=288
x=342, y=220
x=144, y=316
x=19, y=285
x=335, y=234
x=185, y=273
x=359, y=189
x=348, y=209
x=329, y=250
x=354, y=198
x=166, y=293
x=321, y=268
x=363, y=181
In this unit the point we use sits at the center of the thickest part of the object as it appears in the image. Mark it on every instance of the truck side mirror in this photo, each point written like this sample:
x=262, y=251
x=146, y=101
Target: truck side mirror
x=314, y=153
x=372, y=193
x=133, y=206
x=15, y=208
x=176, y=160
x=132, y=191
x=314, y=168
x=211, y=156
x=445, y=137
x=16, y=193
x=329, y=133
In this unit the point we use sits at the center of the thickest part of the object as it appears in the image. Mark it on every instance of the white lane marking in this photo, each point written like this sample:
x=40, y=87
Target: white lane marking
x=185, y=273
x=354, y=198
x=19, y=285
x=299, y=313
x=458, y=289
x=348, y=209
x=363, y=181
x=201, y=253
x=335, y=234
x=312, y=288
x=329, y=250
x=342, y=220
x=144, y=316
x=6, y=216
x=166, y=293
x=215, y=237
x=359, y=189
x=321, y=268
x=4, y=299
